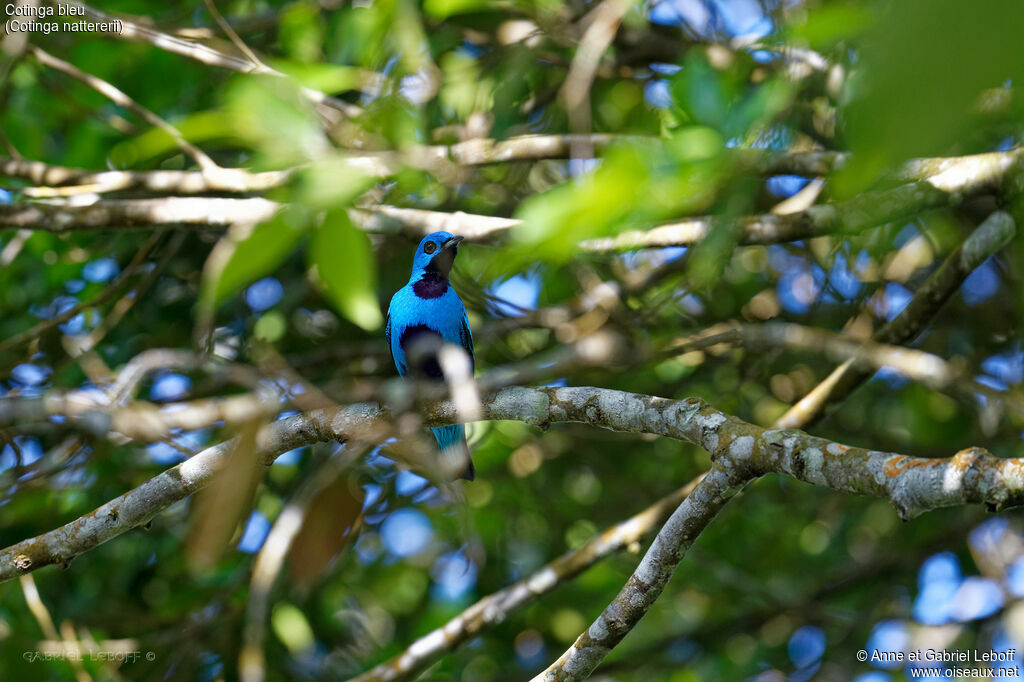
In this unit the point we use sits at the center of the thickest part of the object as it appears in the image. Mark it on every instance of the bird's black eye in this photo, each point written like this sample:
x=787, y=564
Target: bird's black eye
x=429, y=247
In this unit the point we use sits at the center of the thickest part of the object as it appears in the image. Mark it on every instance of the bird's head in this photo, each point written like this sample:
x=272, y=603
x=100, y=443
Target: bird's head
x=436, y=254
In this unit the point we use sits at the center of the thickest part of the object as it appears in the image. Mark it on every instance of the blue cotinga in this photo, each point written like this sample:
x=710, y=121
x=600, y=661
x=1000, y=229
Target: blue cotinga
x=423, y=314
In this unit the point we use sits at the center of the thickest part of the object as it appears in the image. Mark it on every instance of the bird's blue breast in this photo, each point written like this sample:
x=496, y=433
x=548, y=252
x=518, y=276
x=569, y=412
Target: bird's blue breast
x=410, y=316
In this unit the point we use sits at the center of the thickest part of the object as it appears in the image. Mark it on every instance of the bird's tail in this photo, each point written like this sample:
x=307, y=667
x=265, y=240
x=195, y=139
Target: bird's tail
x=454, y=449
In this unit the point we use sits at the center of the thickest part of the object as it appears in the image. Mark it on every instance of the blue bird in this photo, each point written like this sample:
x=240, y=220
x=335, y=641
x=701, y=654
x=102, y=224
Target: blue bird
x=424, y=313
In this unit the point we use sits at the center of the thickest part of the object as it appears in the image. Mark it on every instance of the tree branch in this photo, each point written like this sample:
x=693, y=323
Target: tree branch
x=201, y=212
x=914, y=485
x=475, y=152
x=165, y=181
x=648, y=580
x=964, y=174
x=956, y=179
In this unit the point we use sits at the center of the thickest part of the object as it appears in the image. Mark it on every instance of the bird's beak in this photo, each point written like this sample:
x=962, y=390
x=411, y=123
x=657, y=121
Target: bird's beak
x=451, y=243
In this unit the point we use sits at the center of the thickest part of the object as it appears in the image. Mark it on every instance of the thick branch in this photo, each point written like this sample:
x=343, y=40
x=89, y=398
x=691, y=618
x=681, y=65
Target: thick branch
x=119, y=213
x=167, y=181
x=914, y=485
x=138, y=506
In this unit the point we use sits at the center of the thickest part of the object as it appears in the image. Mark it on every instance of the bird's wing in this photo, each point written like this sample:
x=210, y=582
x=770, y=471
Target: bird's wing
x=466, y=340
x=399, y=362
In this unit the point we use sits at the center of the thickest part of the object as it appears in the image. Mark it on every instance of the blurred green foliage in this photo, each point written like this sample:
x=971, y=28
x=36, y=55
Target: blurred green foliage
x=901, y=79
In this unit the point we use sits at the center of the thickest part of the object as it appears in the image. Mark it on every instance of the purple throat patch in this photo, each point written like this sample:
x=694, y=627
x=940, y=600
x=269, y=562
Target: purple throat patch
x=431, y=285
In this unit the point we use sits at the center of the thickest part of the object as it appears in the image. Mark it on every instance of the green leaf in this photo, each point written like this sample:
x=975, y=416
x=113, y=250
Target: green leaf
x=331, y=182
x=440, y=9
x=245, y=254
x=292, y=628
x=829, y=24
x=925, y=66
x=301, y=31
x=328, y=78
x=272, y=116
x=464, y=89
x=635, y=186
x=724, y=98
x=345, y=269
x=701, y=92
x=202, y=126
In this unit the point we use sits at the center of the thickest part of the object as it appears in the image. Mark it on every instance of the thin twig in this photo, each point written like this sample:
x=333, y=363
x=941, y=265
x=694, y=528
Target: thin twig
x=66, y=637
x=861, y=357
x=131, y=31
x=13, y=247
x=495, y=608
x=996, y=231
x=110, y=291
x=126, y=302
x=121, y=99
x=604, y=21
x=226, y=27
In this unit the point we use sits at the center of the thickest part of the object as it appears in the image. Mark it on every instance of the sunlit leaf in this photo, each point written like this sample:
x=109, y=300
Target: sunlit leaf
x=329, y=182
x=292, y=628
x=724, y=98
x=328, y=78
x=830, y=23
x=463, y=91
x=271, y=114
x=246, y=253
x=301, y=31
x=633, y=187
x=923, y=69
x=198, y=127
x=440, y=9
x=345, y=269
